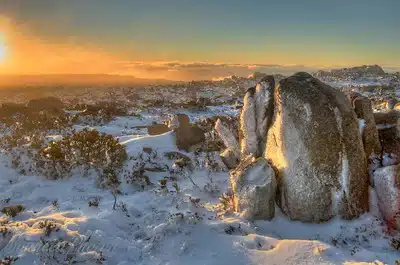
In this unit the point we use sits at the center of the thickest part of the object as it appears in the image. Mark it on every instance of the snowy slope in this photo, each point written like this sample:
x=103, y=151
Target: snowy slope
x=168, y=226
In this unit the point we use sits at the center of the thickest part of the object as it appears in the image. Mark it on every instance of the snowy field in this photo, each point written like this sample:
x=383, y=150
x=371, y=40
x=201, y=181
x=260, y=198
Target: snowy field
x=177, y=222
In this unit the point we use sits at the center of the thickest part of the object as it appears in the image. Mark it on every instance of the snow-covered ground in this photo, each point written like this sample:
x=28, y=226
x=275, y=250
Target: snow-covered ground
x=182, y=223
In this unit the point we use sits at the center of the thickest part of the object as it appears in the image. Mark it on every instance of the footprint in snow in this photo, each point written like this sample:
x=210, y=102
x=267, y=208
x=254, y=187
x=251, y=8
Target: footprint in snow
x=257, y=242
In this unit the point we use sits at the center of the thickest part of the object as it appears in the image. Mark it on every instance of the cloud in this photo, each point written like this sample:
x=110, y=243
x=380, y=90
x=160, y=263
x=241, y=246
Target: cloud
x=204, y=70
x=28, y=54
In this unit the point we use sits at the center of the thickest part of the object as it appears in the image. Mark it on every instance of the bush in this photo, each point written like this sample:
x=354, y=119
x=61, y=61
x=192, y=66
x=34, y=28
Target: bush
x=12, y=211
x=94, y=202
x=87, y=148
x=47, y=227
x=8, y=260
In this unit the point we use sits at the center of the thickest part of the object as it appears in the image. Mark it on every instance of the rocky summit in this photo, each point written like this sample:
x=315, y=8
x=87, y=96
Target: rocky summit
x=322, y=145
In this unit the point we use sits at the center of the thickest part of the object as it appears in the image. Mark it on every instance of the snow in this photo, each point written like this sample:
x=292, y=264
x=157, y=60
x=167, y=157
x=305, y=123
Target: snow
x=307, y=107
x=163, y=142
x=361, y=125
x=152, y=231
x=155, y=226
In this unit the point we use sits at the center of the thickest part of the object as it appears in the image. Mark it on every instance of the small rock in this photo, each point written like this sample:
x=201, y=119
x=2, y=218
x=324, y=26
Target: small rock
x=157, y=129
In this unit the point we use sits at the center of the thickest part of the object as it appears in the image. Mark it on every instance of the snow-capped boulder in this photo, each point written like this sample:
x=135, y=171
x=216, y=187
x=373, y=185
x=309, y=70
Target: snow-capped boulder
x=315, y=145
x=387, y=187
x=254, y=187
x=370, y=137
x=255, y=116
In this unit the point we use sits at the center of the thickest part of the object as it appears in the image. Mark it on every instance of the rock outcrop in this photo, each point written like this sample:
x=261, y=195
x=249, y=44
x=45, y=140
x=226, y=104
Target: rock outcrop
x=310, y=135
x=387, y=187
x=255, y=117
x=157, y=129
x=388, y=130
x=254, y=187
x=315, y=144
x=370, y=137
x=188, y=136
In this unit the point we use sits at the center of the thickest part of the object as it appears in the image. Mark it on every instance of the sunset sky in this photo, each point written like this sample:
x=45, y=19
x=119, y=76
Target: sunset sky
x=185, y=39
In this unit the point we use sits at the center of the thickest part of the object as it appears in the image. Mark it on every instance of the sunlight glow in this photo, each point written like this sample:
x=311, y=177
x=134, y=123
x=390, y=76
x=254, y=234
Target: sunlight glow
x=3, y=49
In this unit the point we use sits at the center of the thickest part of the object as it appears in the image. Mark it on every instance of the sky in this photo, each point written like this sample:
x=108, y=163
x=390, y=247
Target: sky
x=185, y=39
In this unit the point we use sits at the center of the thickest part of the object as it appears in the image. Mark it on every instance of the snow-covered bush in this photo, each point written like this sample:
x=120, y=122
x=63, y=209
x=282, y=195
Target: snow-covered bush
x=87, y=148
x=61, y=252
x=26, y=127
x=8, y=260
x=13, y=210
x=100, y=113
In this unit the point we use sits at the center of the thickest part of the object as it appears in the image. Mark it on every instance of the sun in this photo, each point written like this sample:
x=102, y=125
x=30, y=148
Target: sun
x=3, y=49
x=2, y=53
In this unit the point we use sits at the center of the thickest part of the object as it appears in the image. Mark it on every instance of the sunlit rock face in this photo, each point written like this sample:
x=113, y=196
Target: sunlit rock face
x=315, y=145
x=387, y=188
x=309, y=134
x=254, y=186
x=255, y=117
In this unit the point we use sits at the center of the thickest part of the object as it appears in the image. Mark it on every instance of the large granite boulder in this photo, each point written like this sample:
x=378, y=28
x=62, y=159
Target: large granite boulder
x=315, y=146
x=254, y=187
x=387, y=188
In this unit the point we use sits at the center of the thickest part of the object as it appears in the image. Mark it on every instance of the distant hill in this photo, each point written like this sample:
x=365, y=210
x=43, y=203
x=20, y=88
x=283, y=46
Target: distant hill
x=352, y=72
x=75, y=80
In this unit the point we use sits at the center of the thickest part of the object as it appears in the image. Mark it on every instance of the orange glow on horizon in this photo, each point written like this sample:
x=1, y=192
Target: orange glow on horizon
x=22, y=52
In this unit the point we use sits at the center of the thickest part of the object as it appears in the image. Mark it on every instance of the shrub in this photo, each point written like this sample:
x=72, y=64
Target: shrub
x=395, y=243
x=13, y=210
x=94, y=202
x=8, y=260
x=87, y=148
x=3, y=230
x=47, y=227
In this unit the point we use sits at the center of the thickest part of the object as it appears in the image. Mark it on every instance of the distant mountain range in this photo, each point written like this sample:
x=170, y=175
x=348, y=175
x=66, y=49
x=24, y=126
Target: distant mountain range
x=104, y=80
x=76, y=80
